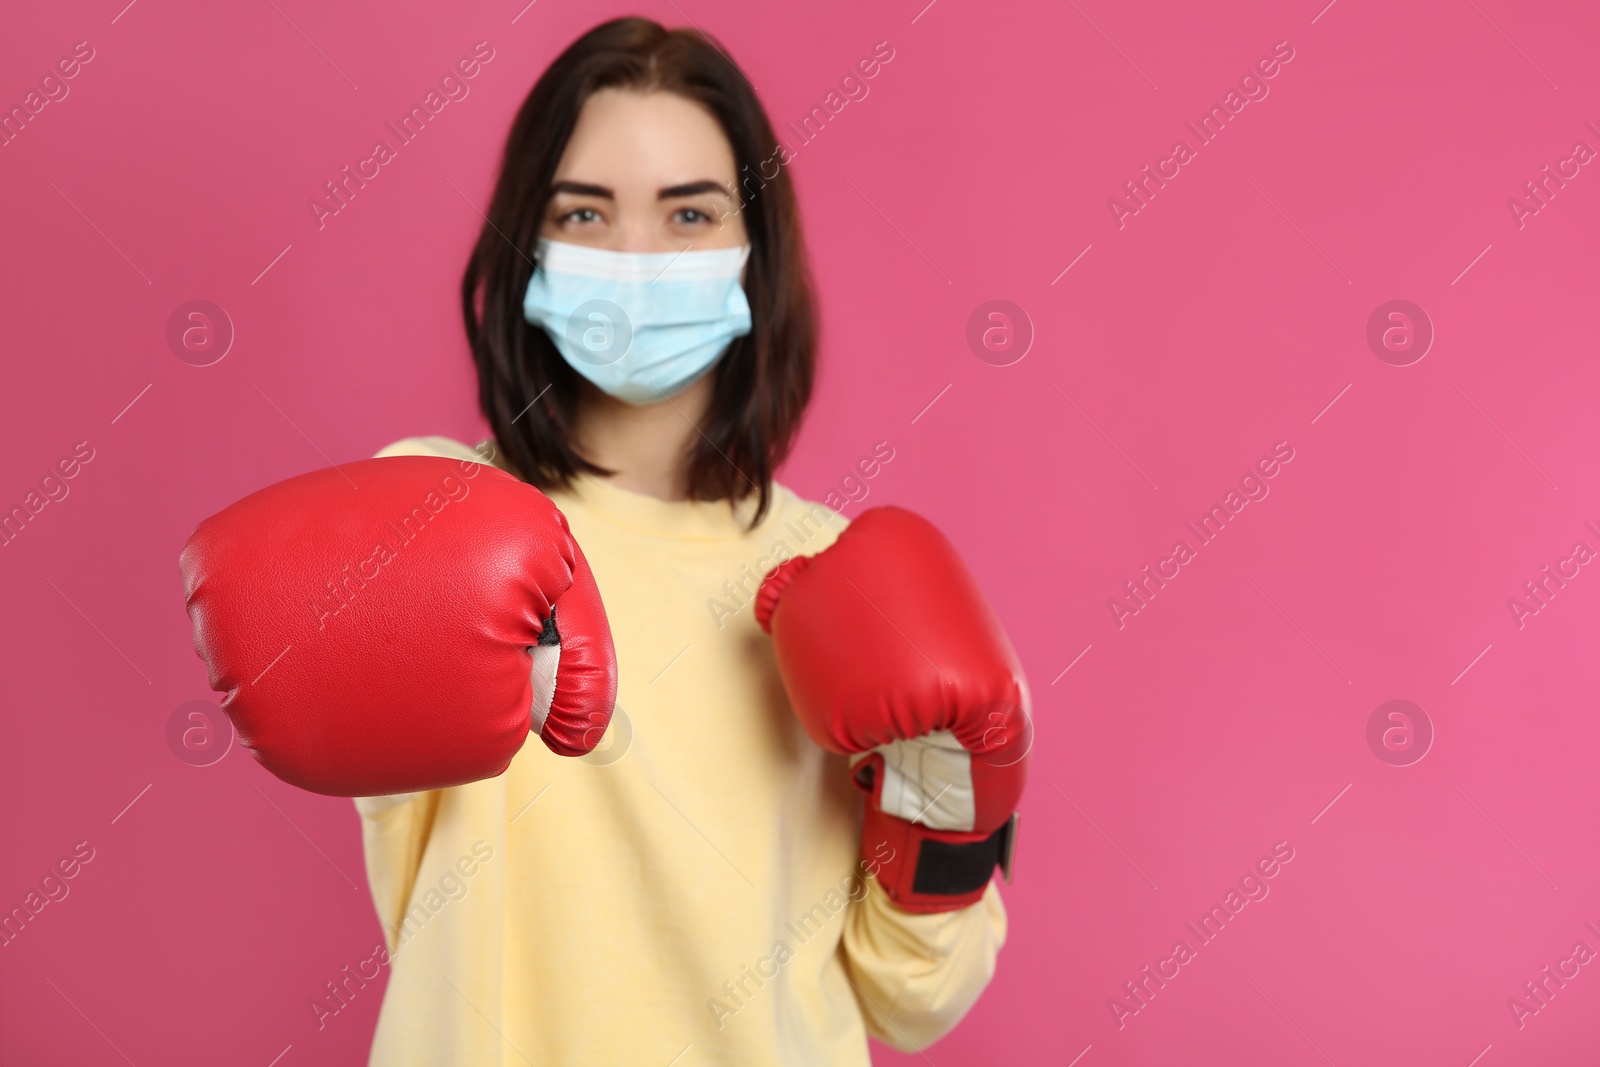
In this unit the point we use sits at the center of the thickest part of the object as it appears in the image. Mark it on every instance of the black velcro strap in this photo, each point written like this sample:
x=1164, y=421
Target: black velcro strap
x=946, y=869
x=550, y=635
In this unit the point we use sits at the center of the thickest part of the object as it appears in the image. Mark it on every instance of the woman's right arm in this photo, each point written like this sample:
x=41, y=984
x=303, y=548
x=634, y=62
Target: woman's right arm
x=395, y=829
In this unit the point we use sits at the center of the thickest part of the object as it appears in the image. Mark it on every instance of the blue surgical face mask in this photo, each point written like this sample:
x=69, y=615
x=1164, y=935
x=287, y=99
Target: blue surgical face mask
x=639, y=325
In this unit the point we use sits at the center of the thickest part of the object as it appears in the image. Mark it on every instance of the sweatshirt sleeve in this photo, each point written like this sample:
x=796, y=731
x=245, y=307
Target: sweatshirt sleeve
x=394, y=833
x=445, y=447
x=917, y=975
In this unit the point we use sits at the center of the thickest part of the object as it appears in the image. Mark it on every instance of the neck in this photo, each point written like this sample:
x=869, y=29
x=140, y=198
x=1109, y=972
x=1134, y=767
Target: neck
x=647, y=445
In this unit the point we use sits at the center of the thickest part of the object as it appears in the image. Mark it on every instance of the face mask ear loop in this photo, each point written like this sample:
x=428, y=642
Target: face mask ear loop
x=744, y=258
x=541, y=250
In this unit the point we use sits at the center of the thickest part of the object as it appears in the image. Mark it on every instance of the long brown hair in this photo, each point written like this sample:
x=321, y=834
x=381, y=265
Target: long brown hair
x=762, y=383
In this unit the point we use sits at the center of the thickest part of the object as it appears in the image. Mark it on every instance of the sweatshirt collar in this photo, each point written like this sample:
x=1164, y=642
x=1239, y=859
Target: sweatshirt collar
x=685, y=520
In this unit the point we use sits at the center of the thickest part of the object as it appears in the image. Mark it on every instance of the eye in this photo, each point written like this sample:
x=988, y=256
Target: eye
x=692, y=216
x=581, y=216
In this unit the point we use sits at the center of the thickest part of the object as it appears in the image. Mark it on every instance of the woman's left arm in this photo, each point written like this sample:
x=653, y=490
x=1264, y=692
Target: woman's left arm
x=916, y=975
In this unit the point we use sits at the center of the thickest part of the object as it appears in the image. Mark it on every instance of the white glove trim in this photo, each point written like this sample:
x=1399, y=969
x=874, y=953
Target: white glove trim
x=928, y=780
x=546, y=661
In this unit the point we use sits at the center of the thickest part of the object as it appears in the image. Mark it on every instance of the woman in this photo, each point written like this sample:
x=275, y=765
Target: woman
x=690, y=892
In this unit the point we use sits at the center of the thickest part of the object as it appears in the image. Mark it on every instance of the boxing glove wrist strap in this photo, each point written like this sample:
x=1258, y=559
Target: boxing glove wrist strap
x=926, y=870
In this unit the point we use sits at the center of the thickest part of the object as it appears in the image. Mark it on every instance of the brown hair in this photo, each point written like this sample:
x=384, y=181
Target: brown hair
x=761, y=384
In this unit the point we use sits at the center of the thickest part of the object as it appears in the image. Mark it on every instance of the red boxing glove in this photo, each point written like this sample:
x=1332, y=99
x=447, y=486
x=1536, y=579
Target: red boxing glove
x=891, y=654
x=399, y=624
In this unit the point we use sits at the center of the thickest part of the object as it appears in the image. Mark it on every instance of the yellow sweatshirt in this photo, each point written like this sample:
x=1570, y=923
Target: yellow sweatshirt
x=688, y=894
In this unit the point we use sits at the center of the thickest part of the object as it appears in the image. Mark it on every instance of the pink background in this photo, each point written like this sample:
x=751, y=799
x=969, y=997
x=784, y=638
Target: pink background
x=1223, y=318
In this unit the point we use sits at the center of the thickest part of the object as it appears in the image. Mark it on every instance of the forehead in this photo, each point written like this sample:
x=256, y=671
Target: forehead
x=628, y=140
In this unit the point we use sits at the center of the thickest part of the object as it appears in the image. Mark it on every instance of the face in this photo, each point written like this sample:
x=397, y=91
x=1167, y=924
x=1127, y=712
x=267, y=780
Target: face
x=645, y=172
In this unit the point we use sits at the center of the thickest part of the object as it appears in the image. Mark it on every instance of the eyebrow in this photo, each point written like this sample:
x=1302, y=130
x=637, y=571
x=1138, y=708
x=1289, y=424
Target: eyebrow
x=693, y=189
x=669, y=193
